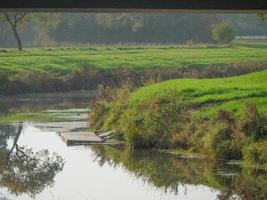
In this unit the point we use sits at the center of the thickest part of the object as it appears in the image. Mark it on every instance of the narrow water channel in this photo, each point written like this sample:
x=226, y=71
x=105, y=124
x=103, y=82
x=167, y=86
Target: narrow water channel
x=42, y=167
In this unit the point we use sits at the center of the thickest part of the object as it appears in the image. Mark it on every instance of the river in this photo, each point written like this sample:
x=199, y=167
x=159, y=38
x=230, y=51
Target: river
x=41, y=166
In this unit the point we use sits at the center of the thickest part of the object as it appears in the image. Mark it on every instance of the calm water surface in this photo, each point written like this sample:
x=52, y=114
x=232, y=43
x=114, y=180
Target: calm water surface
x=41, y=166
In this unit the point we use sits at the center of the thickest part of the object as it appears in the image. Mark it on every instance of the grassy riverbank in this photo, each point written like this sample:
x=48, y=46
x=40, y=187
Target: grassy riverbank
x=224, y=117
x=65, y=60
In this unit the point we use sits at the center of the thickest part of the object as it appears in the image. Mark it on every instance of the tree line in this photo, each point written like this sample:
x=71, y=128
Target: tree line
x=46, y=29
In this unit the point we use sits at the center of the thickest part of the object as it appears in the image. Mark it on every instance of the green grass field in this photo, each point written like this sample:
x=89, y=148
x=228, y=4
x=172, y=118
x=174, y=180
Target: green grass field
x=64, y=60
x=210, y=95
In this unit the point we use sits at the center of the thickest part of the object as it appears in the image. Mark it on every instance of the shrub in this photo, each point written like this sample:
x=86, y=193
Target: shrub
x=4, y=83
x=190, y=137
x=256, y=153
x=118, y=105
x=223, y=32
x=97, y=115
x=189, y=43
x=106, y=109
x=99, y=108
x=222, y=139
x=253, y=123
x=154, y=123
x=197, y=131
x=218, y=141
x=229, y=138
x=182, y=139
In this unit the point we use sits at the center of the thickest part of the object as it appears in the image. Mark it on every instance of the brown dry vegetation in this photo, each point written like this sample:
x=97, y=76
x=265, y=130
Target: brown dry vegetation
x=89, y=78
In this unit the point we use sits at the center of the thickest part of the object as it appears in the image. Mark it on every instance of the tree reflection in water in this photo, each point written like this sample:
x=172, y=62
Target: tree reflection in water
x=169, y=172
x=23, y=170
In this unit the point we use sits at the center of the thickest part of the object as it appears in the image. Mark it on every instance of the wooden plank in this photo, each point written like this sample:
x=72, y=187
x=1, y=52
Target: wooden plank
x=86, y=138
x=72, y=138
x=132, y=5
x=107, y=134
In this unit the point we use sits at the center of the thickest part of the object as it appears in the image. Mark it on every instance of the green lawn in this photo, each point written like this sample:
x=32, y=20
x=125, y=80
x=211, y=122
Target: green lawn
x=64, y=60
x=209, y=95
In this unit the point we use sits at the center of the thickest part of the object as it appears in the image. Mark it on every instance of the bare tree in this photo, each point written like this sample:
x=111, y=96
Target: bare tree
x=20, y=19
x=14, y=20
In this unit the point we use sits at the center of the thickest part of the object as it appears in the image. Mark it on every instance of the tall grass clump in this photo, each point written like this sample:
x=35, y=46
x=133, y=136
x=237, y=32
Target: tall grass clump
x=253, y=123
x=222, y=140
x=153, y=123
x=256, y=153
x=108, y=105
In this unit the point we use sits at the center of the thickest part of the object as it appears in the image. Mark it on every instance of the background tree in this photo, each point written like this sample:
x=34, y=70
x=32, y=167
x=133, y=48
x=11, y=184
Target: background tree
x=114, y=21
x=263, y=16
x=14, y=20
x=111, y=28
x=22, y=19
x=223, y=32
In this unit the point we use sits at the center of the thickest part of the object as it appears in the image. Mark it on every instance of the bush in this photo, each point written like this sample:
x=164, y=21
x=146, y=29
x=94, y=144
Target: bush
x=191, y=135
x=253, y=123
x=153, y=124
x=218, y=141
x=120, y=96
x=189, y=43
x=105, y=111
x=223, y=32
x=181, y=140
x=231, y=138
x=256, y=153
x=97, y=114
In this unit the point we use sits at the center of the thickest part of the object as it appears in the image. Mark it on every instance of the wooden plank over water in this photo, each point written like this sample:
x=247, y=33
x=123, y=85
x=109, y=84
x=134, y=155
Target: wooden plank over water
x=80, y=138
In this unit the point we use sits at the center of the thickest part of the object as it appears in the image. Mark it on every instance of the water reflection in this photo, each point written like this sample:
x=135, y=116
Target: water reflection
x=168, y=172
x=35, y=103
x=23, y=170
x=6, y=132
x=27, y=169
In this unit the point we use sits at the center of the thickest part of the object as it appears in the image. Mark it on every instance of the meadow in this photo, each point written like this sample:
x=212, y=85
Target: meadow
x=60, y=61
x=208, y=96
